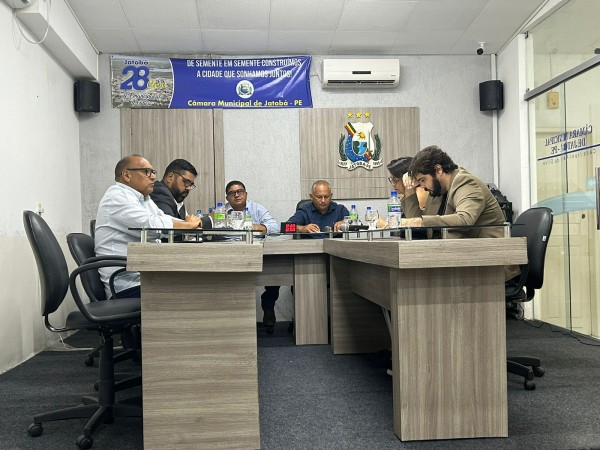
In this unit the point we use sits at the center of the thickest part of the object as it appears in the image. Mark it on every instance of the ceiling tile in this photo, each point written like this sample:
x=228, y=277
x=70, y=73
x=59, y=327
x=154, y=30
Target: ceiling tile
x=233, y=14
x=169, y=41
x=380, y=15
x=95, y=14
x=247, y=42
x=305, y=14
x=152, y=14
x=114, y=40
x=300, y=42
x=363, y=42
x=425, y=42
x=506, y=13
x=444, y=14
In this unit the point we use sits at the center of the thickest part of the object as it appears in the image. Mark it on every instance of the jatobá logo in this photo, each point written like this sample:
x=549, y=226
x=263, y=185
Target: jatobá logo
x=361, y=148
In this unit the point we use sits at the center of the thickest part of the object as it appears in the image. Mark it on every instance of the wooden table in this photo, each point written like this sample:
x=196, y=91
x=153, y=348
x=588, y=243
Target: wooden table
x=303, y=264
x=200, y=378
x=448, y=327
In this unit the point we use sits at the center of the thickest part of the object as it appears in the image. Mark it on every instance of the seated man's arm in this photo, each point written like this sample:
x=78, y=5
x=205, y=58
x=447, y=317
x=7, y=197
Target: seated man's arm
x=469, y=202
x=301, y=219
x=266, y=222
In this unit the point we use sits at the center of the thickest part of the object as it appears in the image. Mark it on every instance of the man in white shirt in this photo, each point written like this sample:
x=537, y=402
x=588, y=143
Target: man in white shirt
x=126, y=205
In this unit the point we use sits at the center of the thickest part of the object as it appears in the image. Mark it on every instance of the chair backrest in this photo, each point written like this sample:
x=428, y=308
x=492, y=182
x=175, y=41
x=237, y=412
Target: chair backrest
x=51, y=263
x=93, y=228
x=81, y=246
x=302, y=203
x=535, y=224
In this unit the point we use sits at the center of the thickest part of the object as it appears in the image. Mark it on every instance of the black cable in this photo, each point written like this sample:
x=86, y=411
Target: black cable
x=556, y=329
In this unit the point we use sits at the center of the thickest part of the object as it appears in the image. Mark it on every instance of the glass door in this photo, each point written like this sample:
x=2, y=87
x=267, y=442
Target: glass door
x=567, y=152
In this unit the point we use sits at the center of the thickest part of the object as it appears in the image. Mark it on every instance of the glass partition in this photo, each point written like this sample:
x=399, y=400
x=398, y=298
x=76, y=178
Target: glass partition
x=565, y=154
x=564, y=40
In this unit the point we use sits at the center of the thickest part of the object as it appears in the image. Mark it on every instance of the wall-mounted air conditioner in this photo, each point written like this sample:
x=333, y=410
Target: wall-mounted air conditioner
x=360, y=73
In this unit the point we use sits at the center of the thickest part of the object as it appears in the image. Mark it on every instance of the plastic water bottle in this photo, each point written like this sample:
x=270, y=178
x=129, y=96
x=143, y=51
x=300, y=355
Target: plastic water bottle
x=353, y=215
x=199, y=213
x=394, y=210
x=220, y=217
x=247, y=220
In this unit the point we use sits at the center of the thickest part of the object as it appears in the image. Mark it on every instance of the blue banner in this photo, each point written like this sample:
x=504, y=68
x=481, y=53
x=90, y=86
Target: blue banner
x=151, y=82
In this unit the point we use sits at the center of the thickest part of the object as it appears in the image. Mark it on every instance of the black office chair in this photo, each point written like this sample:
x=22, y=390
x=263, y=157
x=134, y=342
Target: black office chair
x=535, y=224
x=93, y=228
x=302, y=203
x=104, y=317
x=81, y=247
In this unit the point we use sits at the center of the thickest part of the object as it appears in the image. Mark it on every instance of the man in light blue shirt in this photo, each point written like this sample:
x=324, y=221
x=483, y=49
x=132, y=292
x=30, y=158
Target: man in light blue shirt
x=126, y=205
x=237, y=200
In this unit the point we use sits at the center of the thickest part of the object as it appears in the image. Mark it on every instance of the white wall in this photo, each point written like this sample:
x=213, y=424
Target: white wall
x=40, y=163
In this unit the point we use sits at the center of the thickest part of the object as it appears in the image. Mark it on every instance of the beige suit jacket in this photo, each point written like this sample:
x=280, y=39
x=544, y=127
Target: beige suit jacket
x=469, y=202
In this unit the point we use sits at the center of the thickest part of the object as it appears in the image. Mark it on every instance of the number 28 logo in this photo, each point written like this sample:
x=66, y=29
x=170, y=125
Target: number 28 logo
x=138, y=79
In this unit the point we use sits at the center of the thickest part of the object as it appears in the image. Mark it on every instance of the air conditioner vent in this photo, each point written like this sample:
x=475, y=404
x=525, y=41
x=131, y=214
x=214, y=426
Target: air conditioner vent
x=373, y=73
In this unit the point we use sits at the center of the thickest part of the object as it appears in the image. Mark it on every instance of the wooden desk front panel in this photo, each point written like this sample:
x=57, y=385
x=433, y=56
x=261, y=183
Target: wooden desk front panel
x=200, y=381
x=449, y=353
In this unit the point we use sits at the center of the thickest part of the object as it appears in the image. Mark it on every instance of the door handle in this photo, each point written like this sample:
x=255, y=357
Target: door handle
x=597, y=198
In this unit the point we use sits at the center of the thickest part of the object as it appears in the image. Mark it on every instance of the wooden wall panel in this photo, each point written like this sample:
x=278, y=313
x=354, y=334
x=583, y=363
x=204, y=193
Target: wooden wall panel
x=162, y=135
x=320, y=131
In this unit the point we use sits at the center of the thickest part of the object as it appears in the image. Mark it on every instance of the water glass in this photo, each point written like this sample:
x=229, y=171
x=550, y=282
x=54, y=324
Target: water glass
x=237, y=220
x=371, y=217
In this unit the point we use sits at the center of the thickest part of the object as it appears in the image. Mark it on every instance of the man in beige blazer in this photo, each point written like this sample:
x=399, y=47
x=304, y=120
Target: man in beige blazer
x=466, y=200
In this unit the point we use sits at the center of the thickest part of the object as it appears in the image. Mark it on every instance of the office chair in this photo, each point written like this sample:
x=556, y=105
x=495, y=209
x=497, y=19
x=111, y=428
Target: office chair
x=535, y=224
x=302, y=203
x=93, y=228
x=81, y=247
x=105, y=317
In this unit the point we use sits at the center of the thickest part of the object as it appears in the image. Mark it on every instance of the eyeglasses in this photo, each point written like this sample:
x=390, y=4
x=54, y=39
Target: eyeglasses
x=236, y=193
x=188, y=183
x=322, y=197
x=149, y=172
x=393, y=180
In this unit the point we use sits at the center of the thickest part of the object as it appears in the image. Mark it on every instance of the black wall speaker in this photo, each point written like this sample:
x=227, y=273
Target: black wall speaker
x=87, y=96
x=491, y=95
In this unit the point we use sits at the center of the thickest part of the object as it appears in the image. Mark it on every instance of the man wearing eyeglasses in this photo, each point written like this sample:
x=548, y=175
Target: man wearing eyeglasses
x=125, y=205
x=237, y=200
x=177, y=182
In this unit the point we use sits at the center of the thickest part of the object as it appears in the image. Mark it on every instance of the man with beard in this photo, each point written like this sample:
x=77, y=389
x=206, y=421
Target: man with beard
x=176, y=184
x=466, y=200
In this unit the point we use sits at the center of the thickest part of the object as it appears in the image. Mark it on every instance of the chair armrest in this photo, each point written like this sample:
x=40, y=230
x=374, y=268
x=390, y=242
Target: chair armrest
x=82, y=306
x=104, y=258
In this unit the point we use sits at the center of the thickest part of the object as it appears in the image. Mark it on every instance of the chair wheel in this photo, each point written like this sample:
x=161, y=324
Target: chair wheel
x=84, y=442
x=89, y=361
x=538, y=371
x=35, y=429
x=528, y=385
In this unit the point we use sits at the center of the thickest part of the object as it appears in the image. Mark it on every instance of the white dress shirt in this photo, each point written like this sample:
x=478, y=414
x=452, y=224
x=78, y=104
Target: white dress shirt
x=121, y=208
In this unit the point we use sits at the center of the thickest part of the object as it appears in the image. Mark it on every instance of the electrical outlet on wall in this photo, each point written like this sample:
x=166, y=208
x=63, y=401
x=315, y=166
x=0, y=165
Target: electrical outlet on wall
x=552, y=100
